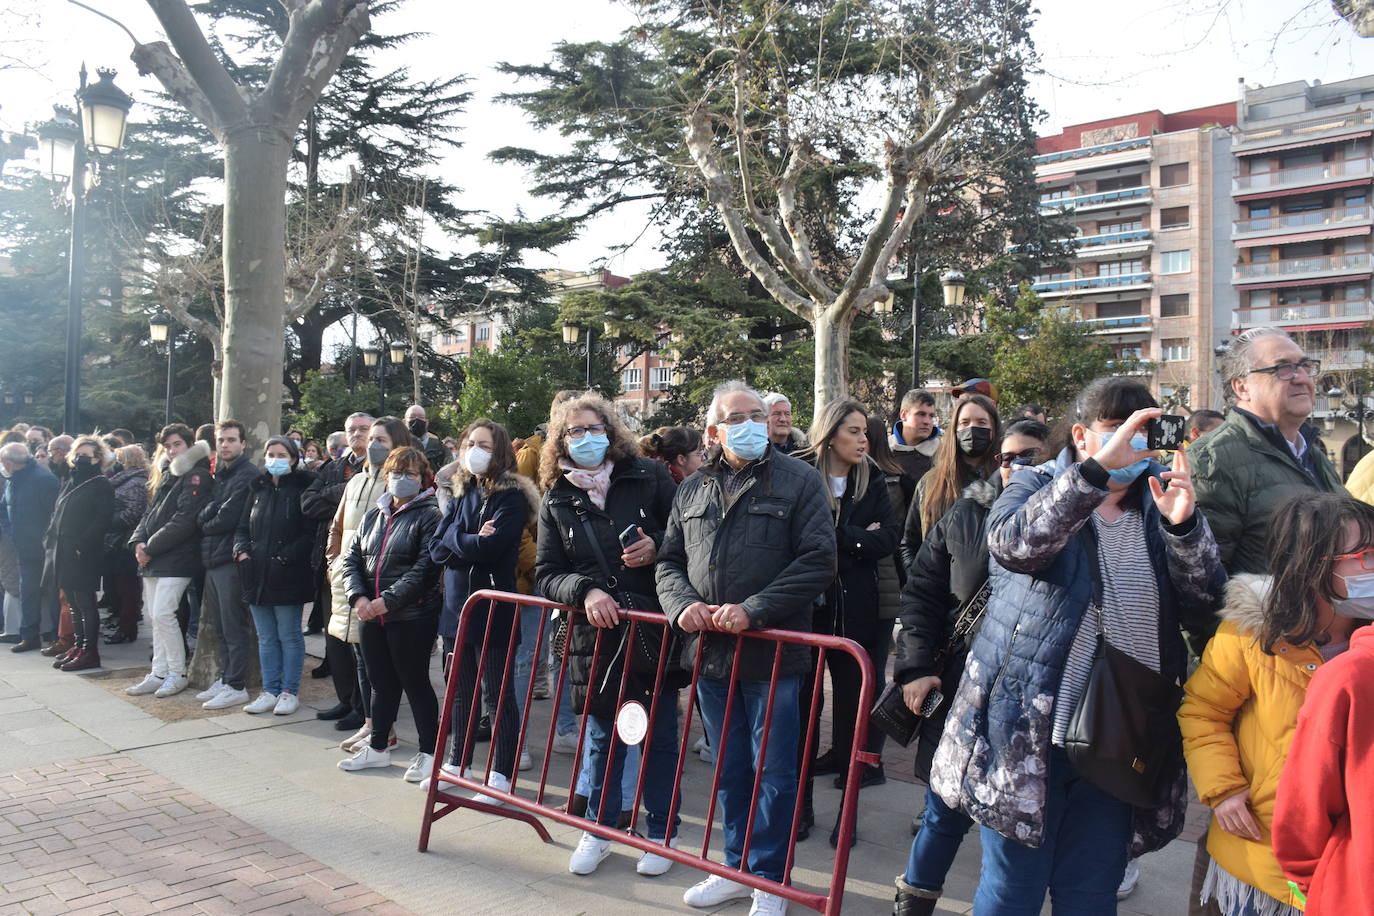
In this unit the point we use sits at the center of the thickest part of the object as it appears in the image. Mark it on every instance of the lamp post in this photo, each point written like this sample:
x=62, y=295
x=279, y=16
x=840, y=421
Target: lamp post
x=375, y=357
x=1355, y=410
x=160, y=331
x=570, y=335
x=63, y=147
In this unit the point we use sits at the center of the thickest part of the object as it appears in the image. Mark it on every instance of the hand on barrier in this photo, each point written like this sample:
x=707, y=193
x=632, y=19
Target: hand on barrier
x=730, y=618
x=695, y=617
x=602, y=610
x=914, y=694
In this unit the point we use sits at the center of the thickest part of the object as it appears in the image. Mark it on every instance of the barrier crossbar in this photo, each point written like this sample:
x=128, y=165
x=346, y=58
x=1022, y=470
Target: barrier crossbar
x=440, y=801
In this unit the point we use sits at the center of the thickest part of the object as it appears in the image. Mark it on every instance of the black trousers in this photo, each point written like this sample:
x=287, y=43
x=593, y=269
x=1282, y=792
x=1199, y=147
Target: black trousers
x=846, y=678
x=344, y=669
x=505, y=728
x=319, y=608
x=397, y=656
x=364, y=685
x=85, y=618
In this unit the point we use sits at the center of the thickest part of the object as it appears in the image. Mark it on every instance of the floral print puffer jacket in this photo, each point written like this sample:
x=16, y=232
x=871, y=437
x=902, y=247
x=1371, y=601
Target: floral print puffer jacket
x=995, y=751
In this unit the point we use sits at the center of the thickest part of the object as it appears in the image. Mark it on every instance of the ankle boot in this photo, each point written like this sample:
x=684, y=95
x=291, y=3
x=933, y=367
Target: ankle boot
x=84, y=660
x=808, y=815
x=913, y=901
x=56, y=649
x=60, y=660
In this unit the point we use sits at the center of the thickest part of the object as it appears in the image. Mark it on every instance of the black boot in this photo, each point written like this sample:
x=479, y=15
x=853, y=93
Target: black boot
x=808, y=815
x=913, y=901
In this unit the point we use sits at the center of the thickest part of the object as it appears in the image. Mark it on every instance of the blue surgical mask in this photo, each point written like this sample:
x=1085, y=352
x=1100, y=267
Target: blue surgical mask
x=1130, y=472
x=747, y=440
x=1359, y=597
x=590, y=450
x=277, y=466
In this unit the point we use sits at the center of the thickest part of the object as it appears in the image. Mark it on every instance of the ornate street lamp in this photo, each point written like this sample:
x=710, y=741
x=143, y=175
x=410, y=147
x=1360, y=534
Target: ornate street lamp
x=570, y=332
x=371, y=356
x=57, y=139
x=104, y=112
x=398, y=352
x=953, y=285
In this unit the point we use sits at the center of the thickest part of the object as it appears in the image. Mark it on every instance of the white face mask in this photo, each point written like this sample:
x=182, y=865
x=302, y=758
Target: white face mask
x=476, y=460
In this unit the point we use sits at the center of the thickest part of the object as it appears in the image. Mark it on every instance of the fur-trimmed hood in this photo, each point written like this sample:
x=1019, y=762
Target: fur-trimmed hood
x=1245, y=594
x=983, y=492
x=453, y=481
x=198, y=452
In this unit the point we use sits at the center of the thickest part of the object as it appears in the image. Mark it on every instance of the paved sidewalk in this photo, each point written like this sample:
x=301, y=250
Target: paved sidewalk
x=271, y=783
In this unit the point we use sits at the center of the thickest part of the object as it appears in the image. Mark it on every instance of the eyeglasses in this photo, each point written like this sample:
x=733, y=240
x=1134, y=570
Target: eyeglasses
x=735, y=419
x=577, y=432
x=1285, y=372
x=1007, y=459
x=1366, y=558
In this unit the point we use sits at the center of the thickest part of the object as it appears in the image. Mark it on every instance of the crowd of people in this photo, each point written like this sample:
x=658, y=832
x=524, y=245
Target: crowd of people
x=1027, y=583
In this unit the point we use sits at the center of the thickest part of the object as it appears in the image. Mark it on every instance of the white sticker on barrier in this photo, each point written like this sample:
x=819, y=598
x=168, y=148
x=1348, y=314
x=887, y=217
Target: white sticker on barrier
x=632, y=723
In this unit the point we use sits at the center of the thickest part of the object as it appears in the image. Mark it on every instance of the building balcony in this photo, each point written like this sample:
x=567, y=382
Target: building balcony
x=1341, y=358
x=1081, y=285
x=1303, y=176
x=1289, y=223
x=1331, y=127
x=1113, y=244
x=1125, y=197
x=1120, y=325
x=1306, y=314
x=1121, y=146
x=1131, y=366
x=1292, y=268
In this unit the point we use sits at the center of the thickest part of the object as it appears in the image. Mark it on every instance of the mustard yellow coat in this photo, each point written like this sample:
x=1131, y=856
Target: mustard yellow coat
x=1238, y=717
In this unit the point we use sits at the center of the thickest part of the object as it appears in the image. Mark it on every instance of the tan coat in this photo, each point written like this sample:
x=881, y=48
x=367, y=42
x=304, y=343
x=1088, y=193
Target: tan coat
x=360, y=494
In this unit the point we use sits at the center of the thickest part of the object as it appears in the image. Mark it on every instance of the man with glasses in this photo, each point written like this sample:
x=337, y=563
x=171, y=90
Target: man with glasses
x=750, y=544
x=782, y=435
x=1265, y=450
x=319, y=502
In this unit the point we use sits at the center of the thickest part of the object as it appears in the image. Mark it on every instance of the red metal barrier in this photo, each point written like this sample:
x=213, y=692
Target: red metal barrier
x=439, y=802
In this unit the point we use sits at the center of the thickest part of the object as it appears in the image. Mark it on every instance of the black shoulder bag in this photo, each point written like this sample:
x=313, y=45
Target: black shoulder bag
x=1124, y=736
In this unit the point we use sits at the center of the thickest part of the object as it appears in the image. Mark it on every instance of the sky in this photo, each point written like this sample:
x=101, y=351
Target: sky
x=1099, y=59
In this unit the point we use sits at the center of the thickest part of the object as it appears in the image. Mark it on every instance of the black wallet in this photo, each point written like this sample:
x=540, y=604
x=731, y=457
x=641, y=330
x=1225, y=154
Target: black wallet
x=893, y=718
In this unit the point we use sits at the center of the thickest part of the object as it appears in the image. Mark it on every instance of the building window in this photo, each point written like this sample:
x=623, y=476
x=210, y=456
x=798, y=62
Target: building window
x=660, y=377
x=1173, y=175
x=483, y=332
x=449, y=340
x=1173, y=218
x=1118, y=309
x=1121, y=268
x=1129, y=225
x=1176, y=349
x=1176, y=262
x=460, y=334
x=1174, y=306
x=1057, y=194
x=632, y=379
x=1120, y=182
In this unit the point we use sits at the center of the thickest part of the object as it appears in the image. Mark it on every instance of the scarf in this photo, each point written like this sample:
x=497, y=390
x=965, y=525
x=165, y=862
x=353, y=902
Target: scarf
x=597, y=483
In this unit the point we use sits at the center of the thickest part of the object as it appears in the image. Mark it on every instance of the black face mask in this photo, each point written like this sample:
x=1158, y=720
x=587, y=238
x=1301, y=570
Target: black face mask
x=417, y=427
x=974, y=441
x=84, y=466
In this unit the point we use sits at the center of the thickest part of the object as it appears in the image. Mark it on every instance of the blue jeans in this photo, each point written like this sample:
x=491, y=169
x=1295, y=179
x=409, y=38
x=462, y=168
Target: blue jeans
x=281, y=646
x=934, y=848
x=525, y=658
x=659, y=777
x=627, y=779
x=32, y=616
x=740, y=750
x=1080, y=861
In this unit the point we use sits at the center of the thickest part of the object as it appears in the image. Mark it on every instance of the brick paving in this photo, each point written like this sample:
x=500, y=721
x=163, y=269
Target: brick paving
x=106, y=835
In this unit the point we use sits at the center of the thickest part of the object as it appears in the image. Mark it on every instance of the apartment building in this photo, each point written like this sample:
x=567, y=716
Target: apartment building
x=1301, y=230
x=1146, y=193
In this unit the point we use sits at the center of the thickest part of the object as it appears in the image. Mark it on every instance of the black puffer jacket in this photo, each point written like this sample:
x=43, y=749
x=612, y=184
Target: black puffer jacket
x=278, y=539
x=640, y=494
x=950, y=567
x=219, y=519
x=321, y=499
x=168, y=529
x=390, y=556
x=851, y=601
x=772, y=551
x=75, y=541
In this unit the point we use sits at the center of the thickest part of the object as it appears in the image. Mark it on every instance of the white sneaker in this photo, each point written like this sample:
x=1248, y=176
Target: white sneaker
x=714, y=891
x=265, y=702
x=172, y=685
x=209, y=693
x=564, y=743
x=498, y=781
x=351, y=743
x=707, y=754
x=652, y=864
x=365, y=759
x=226, y=698
x=150, y=684
x=448, y=768
x=286, y=704
x=1129, y=880
x=420, y=767
x=525, y=762
x=766, y=904
x=591, y=851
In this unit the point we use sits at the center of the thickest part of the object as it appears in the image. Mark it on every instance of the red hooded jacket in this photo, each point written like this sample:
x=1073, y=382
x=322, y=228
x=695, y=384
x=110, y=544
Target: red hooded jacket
x=1324, y=816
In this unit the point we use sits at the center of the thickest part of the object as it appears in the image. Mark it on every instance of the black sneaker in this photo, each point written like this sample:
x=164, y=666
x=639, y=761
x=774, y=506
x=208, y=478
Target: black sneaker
x=483, y=729
x=351, y=722
x=826, y=763
x=872, y=776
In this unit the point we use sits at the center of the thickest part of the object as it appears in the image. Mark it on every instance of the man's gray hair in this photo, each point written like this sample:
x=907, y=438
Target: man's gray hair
x=15, y=453
x=336, y=440
x=359, y=415
x=774, y=397
x=1239, y=358
x=713, y=414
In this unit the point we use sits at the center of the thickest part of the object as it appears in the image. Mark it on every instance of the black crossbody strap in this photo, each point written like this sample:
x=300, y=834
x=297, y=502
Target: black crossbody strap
x=611, y=582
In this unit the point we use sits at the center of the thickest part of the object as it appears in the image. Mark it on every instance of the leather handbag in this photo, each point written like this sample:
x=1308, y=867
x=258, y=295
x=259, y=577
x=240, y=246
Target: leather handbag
x=1123, y=736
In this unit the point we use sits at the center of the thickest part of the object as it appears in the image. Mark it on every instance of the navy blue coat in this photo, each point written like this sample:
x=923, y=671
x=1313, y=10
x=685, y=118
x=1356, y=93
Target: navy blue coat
x=26, y=509
x=472, y=562
x=993, y=758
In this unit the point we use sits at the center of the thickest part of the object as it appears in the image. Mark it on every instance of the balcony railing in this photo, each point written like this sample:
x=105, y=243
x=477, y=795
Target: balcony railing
x=1341, y=357
x=1124, y=321
x=1090, y=283
x=1333, y=217
x=1304, y=174
x=1320, y=264
x=1047, y=158
x=1305, y=312
x=1113, y=238
x=1124, y=195
x=1316, y=128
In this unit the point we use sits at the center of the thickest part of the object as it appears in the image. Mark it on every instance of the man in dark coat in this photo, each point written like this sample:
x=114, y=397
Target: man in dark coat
x=915, y=436
x=234, y=471
x=25, y=512
x=762, y=549
x=433, y=447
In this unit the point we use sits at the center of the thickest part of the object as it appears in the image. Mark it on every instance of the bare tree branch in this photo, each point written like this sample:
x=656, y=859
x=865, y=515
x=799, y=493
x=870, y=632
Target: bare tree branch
x=199, y=60
x=964, y=99
x=158, y=60
x=320, y=35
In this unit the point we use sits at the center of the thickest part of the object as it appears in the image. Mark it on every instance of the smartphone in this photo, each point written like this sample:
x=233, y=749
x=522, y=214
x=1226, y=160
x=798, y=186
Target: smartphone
x=1166, y=432
x=629, y=537
x=932, y=702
